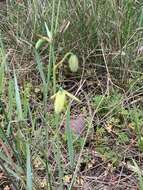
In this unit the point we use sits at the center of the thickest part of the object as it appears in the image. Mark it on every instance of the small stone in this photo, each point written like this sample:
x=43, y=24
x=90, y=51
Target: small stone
x=78, y=124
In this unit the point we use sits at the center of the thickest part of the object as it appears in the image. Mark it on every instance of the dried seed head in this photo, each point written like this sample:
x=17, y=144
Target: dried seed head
x=73, y=63
x=60, y=100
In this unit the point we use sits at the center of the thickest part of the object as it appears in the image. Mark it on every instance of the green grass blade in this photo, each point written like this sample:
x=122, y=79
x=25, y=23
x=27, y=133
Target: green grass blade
x=57, y=17
x=48, y=31
x=141, y=18
x=18, y=99
x=40, y=67
x=57, y=152
x=69, y=138
x=2, y=66
x=29, y=169
x=10, y=99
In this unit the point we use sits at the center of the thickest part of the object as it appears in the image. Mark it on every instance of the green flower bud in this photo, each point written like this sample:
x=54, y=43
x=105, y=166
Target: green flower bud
x=73, y=63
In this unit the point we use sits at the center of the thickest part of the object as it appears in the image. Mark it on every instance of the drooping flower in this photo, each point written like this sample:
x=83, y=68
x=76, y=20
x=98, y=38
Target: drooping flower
x=60, y=100
x=73, y=63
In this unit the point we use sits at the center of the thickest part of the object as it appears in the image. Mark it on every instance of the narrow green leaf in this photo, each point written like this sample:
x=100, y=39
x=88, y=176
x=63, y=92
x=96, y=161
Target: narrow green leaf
x=2, y=66
x=69, y=138
x=29, y=169
x=48, y=31
x=18, y=99
x=72, y=96
x=40, y=67
x=57, y=153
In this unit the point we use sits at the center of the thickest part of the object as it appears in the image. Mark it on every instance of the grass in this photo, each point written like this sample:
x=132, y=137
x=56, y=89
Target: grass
x=39, y=149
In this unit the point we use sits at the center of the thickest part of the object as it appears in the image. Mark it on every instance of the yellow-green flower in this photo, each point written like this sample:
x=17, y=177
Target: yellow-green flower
x=73, y=63
x=60, y=100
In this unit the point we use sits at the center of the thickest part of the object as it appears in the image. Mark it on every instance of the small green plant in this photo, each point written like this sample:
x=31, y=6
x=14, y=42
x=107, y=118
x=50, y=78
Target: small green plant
x=135, y=117
x=61, y=102
x=73, y=61
x=123, y=138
